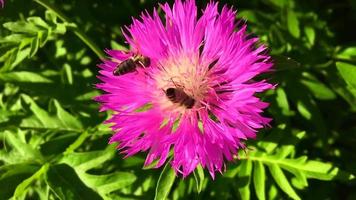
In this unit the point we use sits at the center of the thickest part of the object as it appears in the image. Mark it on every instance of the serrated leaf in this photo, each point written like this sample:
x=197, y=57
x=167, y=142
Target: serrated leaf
x=165, y=182
x=259, y=178
x=282, y=181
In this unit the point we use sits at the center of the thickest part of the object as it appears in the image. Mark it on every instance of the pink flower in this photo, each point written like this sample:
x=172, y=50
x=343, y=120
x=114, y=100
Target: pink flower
x=194, y=77
x=2, y=2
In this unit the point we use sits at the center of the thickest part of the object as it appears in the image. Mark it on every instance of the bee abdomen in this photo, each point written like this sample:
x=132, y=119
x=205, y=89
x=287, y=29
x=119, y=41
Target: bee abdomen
x=180, y=97
x=125, y=67
x=188, y=102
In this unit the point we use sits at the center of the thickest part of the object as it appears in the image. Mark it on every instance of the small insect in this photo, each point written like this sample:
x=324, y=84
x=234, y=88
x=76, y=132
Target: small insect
x=130, y=65
x=177, y=95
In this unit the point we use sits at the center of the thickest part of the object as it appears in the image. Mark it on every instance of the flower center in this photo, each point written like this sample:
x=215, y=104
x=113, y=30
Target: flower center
x=182, y=85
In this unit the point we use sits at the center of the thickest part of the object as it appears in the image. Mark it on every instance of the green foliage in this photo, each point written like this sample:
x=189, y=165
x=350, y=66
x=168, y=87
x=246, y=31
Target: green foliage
x=165, y=182
x=53, y=144
x=27, y=36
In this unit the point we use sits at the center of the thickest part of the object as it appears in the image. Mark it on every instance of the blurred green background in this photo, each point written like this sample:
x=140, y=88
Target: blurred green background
x=53, y=144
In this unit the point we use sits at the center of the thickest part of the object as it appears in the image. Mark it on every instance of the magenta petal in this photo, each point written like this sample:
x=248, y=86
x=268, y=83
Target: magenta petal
x=209, y=63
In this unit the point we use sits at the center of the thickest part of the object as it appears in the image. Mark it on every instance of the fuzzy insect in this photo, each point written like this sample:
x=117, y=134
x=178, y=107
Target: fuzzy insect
x=177, y=95
x=130, y=65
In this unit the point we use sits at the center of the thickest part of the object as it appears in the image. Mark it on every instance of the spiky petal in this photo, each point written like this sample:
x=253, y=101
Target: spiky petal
x=203, y=59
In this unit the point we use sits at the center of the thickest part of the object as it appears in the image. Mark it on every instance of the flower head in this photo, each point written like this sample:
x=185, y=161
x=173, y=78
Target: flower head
x=186, y=87
x=2, y=3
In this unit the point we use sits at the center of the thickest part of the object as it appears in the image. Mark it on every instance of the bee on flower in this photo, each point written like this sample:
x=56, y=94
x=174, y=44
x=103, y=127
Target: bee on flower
x=199, y=85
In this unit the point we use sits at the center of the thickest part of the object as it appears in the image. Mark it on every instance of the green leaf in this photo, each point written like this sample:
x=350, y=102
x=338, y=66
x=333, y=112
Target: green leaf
x=68, y=73
x=199, y=178
x=304, y=110
x=325, y=171
x=42, y=115
x=22, y=187
x=87, y=160
x=24, y=77
x=25, y=150
x=65, y=184
x=259, y=178
x=67, y=119
x=347, y=54
x=117, y=46
x=293, y=24
x=38, y=22
x=108, y=183
x=249, y=15
x=282, y=181
x=310, y=33
x=21, y=27
x=300, y=180
x=244, y=179
x=274, y=137
x=35, y=43
x=43, y=119
x=319, y=89
x=282, y=101
x=273, y=191
x=79, y=141
x=348, y=72
x=165, y=182
x=286, y=150
x=13, y=176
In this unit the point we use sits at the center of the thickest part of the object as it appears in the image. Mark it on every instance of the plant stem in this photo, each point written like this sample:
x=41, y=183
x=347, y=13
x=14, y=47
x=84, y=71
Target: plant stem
x=76, y=30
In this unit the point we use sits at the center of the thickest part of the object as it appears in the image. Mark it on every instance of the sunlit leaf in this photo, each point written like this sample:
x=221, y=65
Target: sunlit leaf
x=165, y=183
x=293, y=24
x=282, y=181
x=259, y=178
